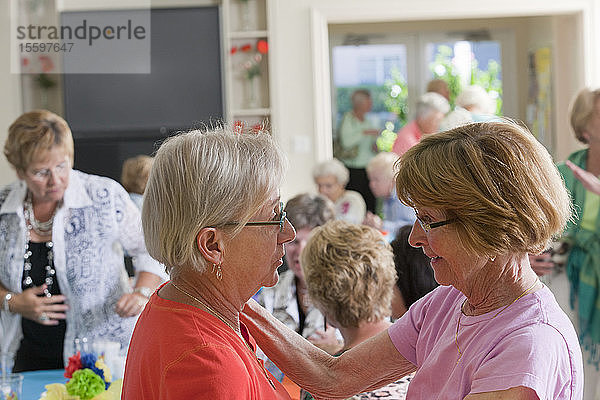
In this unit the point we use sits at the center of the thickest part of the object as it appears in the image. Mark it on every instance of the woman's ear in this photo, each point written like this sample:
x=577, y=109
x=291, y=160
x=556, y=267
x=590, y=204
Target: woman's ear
x=210, y=244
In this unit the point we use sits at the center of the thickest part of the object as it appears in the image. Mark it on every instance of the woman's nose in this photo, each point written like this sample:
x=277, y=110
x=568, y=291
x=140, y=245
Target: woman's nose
x=417, y=237
x=288, y=233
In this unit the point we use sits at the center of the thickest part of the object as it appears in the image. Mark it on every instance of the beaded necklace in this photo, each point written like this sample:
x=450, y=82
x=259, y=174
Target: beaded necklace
x=495, y=315
x=219, y=316
x=42, y=229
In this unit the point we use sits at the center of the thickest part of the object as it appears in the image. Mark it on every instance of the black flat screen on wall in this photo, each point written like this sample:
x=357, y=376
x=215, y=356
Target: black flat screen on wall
x=116, y=116
x=182, y=90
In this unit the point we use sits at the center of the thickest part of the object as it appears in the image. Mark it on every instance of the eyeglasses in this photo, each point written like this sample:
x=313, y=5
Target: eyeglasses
x=44, y=174
x=278, y=220
x=429, y=226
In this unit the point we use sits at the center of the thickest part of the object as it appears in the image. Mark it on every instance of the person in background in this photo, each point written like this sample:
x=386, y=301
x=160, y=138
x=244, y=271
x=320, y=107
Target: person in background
x=491, y=330
x=440, y=87
x=331, y=178
x=62, y=274
x=134, y=176
x=289, y=300
x=212, y=215
x=381, y=180
x=583, y=237
x=415, y=275
x=430, y=111
x=355, y=130
x=473, y=104
x=350, y=274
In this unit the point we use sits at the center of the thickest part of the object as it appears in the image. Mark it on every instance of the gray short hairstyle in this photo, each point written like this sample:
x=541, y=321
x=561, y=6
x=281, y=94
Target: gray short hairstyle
x=309, y=210
x=332, y=167
x=383, y=162
x=206, y=178
x=475, y=96
x=430, y=102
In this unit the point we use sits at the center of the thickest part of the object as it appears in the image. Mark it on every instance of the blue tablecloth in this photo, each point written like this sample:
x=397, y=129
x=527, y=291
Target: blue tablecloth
x=34, y=382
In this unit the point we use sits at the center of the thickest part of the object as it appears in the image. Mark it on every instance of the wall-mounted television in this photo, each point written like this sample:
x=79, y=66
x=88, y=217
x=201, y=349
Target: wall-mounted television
x=121, y=115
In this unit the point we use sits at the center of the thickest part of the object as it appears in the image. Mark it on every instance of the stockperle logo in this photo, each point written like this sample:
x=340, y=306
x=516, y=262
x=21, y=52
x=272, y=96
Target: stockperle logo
x=47, y=40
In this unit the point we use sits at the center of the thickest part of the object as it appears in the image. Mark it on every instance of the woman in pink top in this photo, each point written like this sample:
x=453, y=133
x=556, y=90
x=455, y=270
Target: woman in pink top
x=485, y=195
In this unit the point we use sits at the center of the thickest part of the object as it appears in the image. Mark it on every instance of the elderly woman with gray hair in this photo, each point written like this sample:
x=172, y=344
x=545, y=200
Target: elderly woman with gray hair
x=430, y=111
x=331, y=178
x=212, y=215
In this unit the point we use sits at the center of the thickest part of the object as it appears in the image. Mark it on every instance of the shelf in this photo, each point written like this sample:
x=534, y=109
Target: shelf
x=248, y=34
x=245, y=24
x=250, y=112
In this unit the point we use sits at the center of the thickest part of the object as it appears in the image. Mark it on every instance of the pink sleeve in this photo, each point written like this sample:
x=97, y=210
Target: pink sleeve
x=522, y=360
x=402, y=144
x=405, y=331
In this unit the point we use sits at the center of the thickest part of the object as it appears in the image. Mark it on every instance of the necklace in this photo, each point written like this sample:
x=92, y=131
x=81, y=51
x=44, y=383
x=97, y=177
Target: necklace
x=42, y=229
x=495, y=315
x=237, y=332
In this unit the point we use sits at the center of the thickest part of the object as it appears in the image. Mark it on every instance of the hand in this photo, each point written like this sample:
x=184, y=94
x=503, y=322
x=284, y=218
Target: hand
x=542, y=264
x=41, y=309
x=371, y=132
x=373, y=221
x=326, y=340
x=130, y=305
x=589, y=180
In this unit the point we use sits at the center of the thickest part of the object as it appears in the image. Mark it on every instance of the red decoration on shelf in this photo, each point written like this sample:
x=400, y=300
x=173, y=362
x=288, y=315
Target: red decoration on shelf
x=262, y=46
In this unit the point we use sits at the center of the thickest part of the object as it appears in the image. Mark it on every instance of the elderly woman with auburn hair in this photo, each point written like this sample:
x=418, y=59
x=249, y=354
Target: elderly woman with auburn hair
x=212, y=215
x=350, y=274
x=486, y=195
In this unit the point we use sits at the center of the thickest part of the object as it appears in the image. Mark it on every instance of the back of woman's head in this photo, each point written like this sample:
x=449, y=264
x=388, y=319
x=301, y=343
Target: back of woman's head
x=206, y=178
x=415, y=275
x=309, y=210
x=349, y=271
x=33, y=133
x=495, y=179
x=135, y=173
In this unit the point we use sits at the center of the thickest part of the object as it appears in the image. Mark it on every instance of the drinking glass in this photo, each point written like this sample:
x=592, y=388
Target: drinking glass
x=11, y=386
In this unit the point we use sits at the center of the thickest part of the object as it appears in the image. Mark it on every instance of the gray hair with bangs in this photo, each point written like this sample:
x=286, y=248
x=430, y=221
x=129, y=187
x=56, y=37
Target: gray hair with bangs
x=206, y=178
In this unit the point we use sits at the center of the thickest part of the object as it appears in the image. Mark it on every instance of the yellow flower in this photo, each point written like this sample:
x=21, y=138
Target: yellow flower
x=100, y=365
x=113, y=392
x=57, y=391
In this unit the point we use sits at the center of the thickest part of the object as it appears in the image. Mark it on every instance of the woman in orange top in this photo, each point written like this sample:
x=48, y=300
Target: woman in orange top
x=212, y=215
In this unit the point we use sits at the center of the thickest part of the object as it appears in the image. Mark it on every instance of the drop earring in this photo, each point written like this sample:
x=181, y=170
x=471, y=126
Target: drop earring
x=216, y=269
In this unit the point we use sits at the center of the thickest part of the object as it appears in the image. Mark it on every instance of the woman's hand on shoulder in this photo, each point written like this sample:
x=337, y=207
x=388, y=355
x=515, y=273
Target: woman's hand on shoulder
x=130, y=305
x=516, y=393
x=41, y=309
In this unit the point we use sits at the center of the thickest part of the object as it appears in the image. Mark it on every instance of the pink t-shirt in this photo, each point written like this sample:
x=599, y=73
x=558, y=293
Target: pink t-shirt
x=531, y=343
x=408, y=136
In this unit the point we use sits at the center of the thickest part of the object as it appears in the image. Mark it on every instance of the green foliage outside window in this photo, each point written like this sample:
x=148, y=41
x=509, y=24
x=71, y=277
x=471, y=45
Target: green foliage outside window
x=443, y=68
